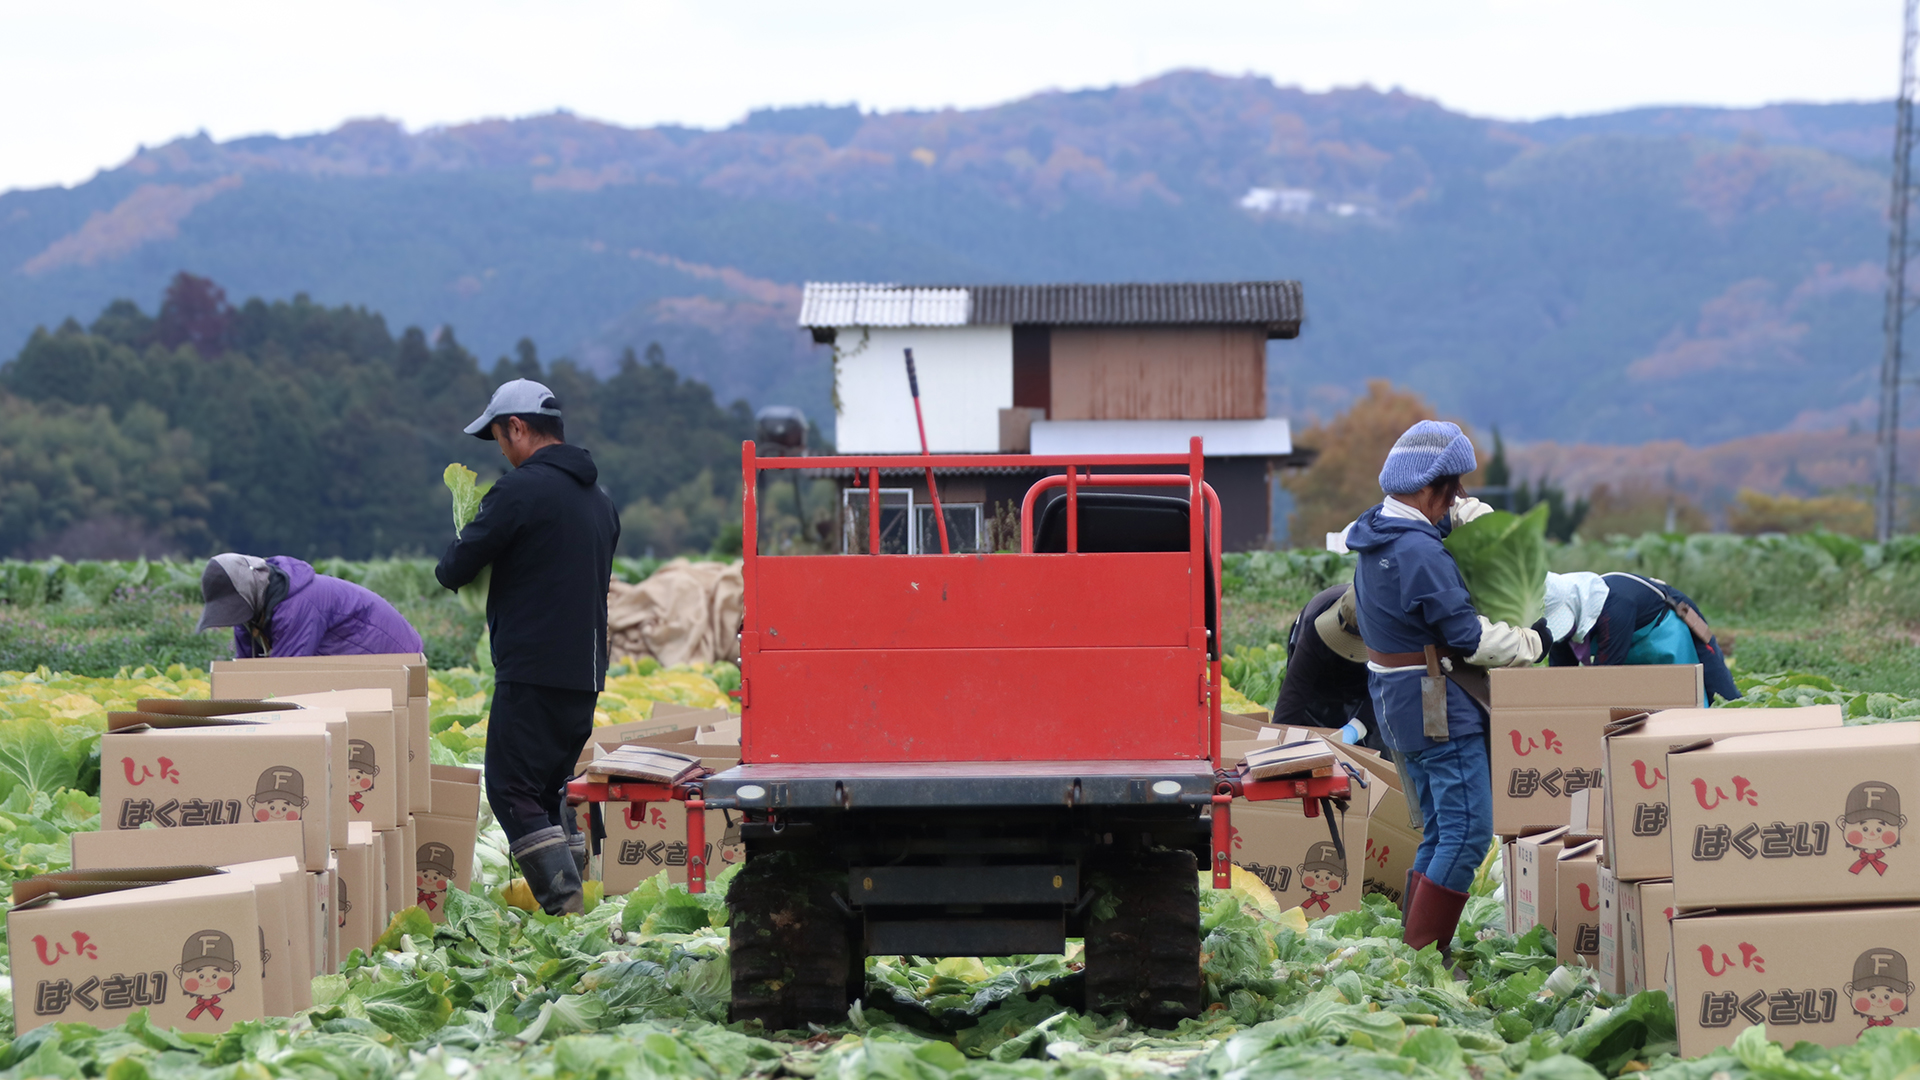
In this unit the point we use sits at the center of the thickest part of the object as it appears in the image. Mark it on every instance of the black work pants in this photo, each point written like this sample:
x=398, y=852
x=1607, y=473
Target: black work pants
x=534, y=737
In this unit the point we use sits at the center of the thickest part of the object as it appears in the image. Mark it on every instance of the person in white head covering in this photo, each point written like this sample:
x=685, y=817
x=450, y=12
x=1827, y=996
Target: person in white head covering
x=1621, y=618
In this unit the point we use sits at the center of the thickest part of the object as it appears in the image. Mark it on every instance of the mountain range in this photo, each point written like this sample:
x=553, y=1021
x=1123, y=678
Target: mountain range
x=1695, y=274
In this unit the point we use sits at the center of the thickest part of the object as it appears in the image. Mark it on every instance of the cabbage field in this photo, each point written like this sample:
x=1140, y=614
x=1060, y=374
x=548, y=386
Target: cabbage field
x=638, y=985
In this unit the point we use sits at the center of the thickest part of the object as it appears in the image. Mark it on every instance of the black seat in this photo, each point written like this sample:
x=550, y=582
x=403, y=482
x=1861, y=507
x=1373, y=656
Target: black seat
x=1113, y=521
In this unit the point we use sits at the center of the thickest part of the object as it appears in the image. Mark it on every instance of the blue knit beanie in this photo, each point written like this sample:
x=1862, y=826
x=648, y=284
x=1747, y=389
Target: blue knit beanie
x=1430, y=449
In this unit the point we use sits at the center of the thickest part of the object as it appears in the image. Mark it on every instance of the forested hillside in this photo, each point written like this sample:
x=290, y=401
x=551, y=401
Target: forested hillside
x=289, y=427
x=1696, y=274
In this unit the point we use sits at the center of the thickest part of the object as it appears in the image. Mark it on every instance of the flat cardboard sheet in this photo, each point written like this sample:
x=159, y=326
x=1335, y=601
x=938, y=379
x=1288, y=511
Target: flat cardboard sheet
x=166, y=948
x=1823, y=975
x=1637, y=811
x=397, y=863
x=278, y=902
x=1796, y=818
x=219, y=776
x=1545, y=730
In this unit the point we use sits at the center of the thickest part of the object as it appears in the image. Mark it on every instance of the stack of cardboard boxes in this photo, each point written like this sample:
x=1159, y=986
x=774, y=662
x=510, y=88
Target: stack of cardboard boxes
x=1544, y=732
x=641, y=840
x=297, y=811
x=1293, y=854
x=1795, y=905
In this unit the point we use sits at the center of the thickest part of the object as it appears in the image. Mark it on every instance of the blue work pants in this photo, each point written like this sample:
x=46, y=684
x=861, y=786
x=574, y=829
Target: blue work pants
x=1453, y=783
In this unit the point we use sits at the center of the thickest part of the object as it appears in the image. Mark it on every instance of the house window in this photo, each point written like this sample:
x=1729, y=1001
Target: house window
x=907, y=525
x=964, y=527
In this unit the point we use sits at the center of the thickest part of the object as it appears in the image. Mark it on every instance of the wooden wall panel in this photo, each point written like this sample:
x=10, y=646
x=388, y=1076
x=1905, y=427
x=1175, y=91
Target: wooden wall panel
x=1202, y=373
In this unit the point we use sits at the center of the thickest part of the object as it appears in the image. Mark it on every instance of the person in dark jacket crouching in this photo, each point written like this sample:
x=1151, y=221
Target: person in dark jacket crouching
x=548, y=532
x=1622, y=618
x=1417, y=622
x=280, y=607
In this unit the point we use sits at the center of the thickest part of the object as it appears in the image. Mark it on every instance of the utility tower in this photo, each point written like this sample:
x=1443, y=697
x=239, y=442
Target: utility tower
x=1899, y=247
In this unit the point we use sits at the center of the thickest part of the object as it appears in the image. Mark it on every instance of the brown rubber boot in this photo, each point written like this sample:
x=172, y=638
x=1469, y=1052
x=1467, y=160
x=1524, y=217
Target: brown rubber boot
x=1414, y=879
x=1435, y=915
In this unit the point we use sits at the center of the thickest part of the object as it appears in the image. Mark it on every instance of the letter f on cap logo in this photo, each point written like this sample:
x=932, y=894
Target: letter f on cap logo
x=210, y=944
x=1873, y=792
x=1881, y=961
x=280, y=777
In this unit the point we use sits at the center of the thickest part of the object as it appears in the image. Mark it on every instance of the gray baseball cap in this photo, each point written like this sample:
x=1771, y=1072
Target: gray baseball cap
x=521, y=397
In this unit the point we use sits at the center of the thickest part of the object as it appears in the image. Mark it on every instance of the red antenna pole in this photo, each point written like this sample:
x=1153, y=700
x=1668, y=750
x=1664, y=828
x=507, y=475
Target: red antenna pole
x=939, y=515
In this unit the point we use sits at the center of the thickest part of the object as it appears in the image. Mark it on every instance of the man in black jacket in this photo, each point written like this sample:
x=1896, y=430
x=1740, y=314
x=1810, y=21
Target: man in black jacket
x=548, y=532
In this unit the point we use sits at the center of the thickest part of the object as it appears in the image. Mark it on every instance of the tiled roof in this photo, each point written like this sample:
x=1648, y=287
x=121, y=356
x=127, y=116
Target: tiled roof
x=1274, y=305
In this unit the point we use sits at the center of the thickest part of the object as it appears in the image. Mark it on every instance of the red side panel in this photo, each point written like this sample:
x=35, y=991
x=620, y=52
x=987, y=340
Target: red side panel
x=974, y=704
x=970, y=601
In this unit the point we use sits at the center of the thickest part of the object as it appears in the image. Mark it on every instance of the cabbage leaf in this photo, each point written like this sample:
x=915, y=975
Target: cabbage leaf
x=1503, y=558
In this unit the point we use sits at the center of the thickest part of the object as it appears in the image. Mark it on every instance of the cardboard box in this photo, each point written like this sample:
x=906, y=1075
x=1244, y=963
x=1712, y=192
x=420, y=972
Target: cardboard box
x=195, y=714
x=644, y=839
x=419, y=736
x=1823, y=975
x=327, y=893
x=1587, y=815
x=1646, y=910
x=373, y=790
x=397, y=866
x=443, y=857
x=1637, y=811
x=187, y=951
x=1577, y=892
x=1611, y=961
x=359, y=890
x=339, y=738
x=194, y=777
x=243, y=842
x=280, y=895
x=1795, y=817
x=1391, y=843
x=1545, y=731
x=1295, y=855
x=1535, y=879
x=294, y=677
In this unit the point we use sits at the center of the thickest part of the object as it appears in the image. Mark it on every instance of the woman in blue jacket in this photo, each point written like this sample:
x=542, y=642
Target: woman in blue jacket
x=1412, y=597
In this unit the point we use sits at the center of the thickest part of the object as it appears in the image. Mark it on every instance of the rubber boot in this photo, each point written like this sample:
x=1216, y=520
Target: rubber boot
x=546, y=861
x=1434, y=917
x=1414, y=878
x=576, y=840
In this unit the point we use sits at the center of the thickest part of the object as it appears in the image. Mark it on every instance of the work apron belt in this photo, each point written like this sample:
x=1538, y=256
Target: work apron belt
x=1471, y=679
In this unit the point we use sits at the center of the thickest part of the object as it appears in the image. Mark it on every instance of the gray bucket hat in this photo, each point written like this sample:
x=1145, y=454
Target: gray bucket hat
x=232, y=587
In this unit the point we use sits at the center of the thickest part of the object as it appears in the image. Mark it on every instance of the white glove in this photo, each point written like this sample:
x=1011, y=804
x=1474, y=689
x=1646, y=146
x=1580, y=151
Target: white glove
x=1466, y=508
x=1505, y=646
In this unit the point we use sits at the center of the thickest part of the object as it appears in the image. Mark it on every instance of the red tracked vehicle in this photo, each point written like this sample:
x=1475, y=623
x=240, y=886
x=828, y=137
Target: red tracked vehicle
x=984, y=754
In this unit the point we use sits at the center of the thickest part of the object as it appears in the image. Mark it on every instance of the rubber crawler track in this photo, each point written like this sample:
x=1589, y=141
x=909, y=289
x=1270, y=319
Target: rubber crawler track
x=790, y=950
x=1145, y=958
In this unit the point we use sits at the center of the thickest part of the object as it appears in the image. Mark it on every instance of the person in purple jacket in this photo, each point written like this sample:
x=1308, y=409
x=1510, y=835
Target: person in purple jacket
x=280, y=607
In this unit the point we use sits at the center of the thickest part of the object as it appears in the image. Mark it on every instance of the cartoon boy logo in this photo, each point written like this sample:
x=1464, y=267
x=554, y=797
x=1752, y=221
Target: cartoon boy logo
x=1322, y=874
x=279, y=795
x=433, y=873
x=206, y=971
x=345, y=905
x=1879, y=990
x=1872, y=824
x=360, y=772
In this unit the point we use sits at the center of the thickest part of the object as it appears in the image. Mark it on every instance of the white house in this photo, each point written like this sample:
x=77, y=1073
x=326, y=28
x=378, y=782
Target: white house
x=1098, y=369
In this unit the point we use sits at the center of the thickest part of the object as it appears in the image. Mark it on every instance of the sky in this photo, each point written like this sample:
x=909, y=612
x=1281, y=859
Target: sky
x=87, y=82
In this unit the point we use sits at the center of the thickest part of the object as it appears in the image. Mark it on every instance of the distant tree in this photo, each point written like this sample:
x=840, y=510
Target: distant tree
x=1499, y=476
x=527, y=362
x=1755, y=512
x=1563, y=517
x=195, y=312
x=1345, y=479
x=1634, y=509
